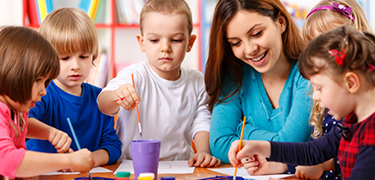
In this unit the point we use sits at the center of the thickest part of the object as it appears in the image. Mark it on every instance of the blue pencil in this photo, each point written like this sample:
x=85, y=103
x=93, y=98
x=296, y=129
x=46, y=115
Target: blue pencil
x=76, y=140
x=74, y=134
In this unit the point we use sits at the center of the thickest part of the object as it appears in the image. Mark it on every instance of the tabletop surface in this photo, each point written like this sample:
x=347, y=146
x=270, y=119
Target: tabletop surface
x=199, y=173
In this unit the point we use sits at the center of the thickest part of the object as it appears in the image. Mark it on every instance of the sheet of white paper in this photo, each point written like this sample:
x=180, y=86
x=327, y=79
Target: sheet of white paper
x=93, y=170
x=165, y=167
x=242, y=172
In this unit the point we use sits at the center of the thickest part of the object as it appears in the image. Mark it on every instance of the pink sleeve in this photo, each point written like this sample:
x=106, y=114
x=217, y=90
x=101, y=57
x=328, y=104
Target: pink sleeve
x=12, y=150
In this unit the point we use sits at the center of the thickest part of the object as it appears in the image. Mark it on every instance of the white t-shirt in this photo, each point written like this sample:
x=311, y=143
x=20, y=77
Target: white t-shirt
x=170, y=111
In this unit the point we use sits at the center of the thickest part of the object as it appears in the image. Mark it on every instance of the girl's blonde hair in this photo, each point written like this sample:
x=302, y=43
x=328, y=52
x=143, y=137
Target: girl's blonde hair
x=70, y=30
x=322, y=21
x=358, y=48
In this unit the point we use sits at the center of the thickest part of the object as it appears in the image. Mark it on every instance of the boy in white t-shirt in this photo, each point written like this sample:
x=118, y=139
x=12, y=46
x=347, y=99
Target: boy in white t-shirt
x=171, y=99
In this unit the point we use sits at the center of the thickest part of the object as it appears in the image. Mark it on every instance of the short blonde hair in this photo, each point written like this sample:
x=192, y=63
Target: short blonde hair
x=167, y=7
x=325, y=20
x=70, y=30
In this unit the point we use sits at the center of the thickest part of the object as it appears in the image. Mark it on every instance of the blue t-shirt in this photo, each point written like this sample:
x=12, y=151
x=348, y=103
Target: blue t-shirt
x=94, y=129
x=287, y=123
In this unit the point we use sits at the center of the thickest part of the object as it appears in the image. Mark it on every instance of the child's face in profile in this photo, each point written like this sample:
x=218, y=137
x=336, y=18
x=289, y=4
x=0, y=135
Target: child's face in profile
x=165, y=40
x=74, y=69
x=331, y=94
x=38, y=90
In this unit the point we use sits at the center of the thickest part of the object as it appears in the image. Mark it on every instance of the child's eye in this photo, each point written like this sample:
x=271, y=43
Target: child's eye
x=258, y=33
x=64, y=58
x=38, y=80
x=154, y=40
x=177, y=40
x=83, y=57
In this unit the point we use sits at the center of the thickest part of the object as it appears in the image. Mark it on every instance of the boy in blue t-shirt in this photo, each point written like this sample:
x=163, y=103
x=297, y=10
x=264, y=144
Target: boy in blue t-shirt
x=73, y=34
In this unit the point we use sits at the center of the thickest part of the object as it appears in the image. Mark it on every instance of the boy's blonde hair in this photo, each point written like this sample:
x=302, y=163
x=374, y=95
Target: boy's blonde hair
x=70, y=30
x=167, y=7
x=24, y=56
x=322, y=21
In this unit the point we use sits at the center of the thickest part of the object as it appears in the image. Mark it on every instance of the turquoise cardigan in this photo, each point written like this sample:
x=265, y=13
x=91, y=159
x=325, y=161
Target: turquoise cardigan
x=287, y=123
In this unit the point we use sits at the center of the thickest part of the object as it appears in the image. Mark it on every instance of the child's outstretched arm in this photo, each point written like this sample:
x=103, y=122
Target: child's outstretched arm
x=36, y=163
x=249, y=149
x=203, y=157
x=59, y=139
x=125, y=96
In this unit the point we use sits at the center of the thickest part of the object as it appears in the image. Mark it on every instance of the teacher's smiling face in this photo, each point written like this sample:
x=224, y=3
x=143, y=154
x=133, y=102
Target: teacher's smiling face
x=256, y=39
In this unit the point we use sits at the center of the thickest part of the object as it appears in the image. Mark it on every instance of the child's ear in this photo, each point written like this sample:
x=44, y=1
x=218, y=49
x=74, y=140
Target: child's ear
x=191, y=42
x=351, y=82
x=140, y=42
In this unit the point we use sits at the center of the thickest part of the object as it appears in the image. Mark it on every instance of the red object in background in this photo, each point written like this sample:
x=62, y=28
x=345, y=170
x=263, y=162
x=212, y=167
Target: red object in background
x=32, y=13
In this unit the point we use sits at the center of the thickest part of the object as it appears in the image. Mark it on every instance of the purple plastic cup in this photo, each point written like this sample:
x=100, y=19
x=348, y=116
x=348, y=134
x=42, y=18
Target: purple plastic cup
x=145, y=155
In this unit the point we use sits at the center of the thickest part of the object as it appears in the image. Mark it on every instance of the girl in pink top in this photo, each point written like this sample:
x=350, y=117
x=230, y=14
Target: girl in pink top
x=28, y=62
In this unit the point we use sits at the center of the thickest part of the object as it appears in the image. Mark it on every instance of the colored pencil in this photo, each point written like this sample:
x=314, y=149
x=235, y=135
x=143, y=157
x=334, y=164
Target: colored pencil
x=136, y=107
x=240, y=145
x=76, y=140
x=74, y=134
x=193, y=146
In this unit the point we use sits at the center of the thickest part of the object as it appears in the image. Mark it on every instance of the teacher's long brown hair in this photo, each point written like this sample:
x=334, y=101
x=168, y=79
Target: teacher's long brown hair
x=222, y=66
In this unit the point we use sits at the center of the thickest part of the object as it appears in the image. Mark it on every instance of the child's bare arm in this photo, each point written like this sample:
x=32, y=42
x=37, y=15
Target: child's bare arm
x=203, y=157
x=58, y=138
x=125, y=96
x=100, y=157
x=36, y=163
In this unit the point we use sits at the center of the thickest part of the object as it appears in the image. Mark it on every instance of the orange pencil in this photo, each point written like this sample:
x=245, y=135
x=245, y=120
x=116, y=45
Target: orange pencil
x=136, y=107
x=240, y=145
x=193, y=146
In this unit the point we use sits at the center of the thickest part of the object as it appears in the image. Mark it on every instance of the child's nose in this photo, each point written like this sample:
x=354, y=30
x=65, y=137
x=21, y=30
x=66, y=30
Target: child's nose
x=75, y=64
x=43, y=91
x=165, y=47
x=315, y=97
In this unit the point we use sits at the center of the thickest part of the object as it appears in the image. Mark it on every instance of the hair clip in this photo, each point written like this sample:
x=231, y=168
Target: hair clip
x=344, y=10
x=339, y=56
x=370, y=68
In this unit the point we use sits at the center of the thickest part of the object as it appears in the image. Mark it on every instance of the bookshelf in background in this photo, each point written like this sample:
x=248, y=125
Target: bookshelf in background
x=117, y=36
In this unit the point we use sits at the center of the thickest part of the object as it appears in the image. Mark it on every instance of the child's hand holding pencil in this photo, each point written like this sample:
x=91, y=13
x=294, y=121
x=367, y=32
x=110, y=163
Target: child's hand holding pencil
x=126, y=97
x=249, y=149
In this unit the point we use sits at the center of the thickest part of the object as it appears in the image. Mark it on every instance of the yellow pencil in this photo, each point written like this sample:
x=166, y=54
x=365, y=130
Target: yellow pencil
x=240, y=145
